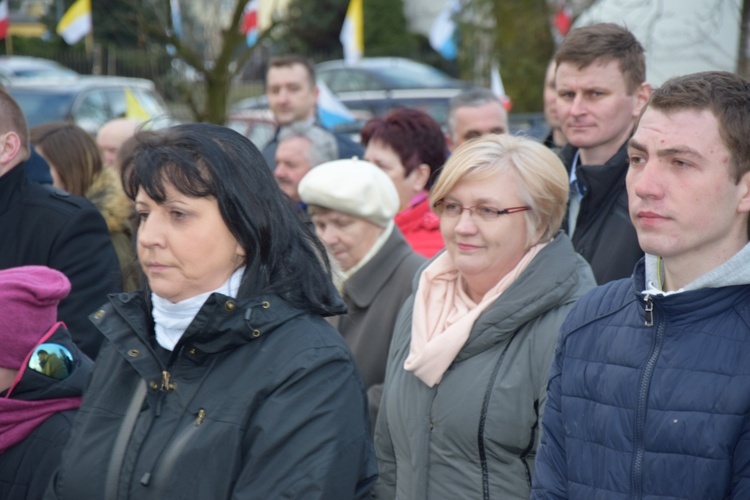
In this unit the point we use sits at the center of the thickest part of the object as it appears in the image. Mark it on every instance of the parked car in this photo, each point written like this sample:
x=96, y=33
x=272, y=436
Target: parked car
x=257, y=125
x=90, y=101
x=373, y=86
x=383, y=73
x=15, y=67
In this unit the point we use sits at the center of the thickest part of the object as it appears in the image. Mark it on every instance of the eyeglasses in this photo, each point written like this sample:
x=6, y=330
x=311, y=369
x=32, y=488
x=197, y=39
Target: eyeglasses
x=453, y=210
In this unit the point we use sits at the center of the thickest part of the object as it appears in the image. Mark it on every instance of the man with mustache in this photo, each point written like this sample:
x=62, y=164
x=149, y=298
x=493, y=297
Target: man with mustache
x=647, y=395
x=301, y=147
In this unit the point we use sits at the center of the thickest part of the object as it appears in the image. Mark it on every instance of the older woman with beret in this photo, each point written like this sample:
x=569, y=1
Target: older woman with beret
x=222, y=379
x=352, y=204
x=467, y=370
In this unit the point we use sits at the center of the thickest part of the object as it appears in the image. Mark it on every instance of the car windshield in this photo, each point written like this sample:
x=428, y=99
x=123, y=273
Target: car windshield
x=41, y=107
x=38, y=71
x=406, y=76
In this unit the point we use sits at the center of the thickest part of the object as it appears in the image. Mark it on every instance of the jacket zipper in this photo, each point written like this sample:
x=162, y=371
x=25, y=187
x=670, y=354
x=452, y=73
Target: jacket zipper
x=482, y=423
x=117, y=458
x=171, y=455
x=641, y=406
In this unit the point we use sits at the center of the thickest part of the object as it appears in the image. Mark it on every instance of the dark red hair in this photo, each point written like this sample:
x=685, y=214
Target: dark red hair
x=413, y=135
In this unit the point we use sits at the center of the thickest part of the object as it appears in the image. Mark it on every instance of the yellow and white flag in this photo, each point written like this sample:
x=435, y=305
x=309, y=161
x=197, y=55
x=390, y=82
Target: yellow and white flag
x=76, y=22
x=352, y=32
x=133, y=107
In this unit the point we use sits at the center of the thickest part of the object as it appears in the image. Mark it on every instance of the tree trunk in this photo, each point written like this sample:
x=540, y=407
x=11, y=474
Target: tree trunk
x=523, y=45
x=217, y=90
x=743, y=55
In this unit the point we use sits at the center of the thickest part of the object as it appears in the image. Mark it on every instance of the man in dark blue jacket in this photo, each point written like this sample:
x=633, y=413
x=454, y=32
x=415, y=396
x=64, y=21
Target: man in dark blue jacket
x=648, y=393
x=47, y=226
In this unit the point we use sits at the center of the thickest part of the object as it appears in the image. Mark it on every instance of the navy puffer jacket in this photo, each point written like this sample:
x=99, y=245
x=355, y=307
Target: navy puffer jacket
x=649, y=405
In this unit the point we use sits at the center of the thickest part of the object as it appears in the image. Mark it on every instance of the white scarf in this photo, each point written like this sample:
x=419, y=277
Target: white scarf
x=172, y=319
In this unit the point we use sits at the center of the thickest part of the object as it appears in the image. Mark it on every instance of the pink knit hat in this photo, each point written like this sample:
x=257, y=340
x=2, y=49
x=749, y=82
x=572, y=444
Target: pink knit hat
x=28, y=308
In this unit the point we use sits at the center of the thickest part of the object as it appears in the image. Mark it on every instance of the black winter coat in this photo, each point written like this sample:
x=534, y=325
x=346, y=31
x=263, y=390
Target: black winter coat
x=48, y=227
x=604, y=234
x=259, y=400
x=27, y=467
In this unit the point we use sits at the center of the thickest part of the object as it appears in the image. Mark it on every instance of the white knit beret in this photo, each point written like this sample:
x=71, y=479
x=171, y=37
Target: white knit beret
x=355, y=187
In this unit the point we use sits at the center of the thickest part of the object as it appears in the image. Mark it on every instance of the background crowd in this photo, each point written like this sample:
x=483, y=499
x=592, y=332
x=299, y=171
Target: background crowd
x=428, y=314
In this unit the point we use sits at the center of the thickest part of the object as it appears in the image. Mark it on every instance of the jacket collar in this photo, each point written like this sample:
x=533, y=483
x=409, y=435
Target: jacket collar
x=601, y=181
x=12, y=187
x=695, y=304
x=222, y=323
x=362, y=287
x=34, y=386
x=735, y=271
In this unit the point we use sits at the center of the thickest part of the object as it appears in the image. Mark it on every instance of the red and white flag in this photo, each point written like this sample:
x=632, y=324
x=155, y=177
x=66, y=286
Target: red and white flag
x=3, y=19
x=249, y=23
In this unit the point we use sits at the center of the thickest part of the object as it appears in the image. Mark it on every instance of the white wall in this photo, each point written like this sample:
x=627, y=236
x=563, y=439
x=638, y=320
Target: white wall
x=680, y=36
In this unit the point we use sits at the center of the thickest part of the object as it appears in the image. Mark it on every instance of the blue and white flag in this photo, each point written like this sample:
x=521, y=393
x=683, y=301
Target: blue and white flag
x=176, y=17
x=331, y=111
x=443, y=31
x=497, y=87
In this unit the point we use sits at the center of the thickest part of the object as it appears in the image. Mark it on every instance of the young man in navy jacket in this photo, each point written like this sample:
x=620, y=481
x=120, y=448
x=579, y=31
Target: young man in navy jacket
x=647, y=395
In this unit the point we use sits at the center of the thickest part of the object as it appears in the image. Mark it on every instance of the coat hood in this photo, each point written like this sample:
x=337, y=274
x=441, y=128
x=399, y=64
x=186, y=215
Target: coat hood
x=34, y=386
x=556, y=277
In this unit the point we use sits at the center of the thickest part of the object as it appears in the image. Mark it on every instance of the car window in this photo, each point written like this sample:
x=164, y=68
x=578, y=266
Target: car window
x=116, y=99
x=149, y=102
x=414, y=76
x=41, y=107
x=353, y=80
x=91, y=111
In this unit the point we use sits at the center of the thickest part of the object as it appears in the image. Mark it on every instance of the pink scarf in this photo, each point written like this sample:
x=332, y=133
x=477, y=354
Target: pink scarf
x=444, y=315
x=19, y=418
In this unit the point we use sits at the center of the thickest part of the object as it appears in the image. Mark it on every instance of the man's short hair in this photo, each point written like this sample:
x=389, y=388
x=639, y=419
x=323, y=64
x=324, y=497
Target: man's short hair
x=605, y=42
x=724, y=94
x=323, y=146
x=12, y=119
x=291, y=60
x=471, y=98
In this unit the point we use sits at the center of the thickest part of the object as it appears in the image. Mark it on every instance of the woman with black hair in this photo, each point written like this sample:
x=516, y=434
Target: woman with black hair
x=221, y=379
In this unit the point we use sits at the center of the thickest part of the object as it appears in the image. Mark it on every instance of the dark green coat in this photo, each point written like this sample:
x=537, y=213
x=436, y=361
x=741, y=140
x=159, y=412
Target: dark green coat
x=474, y=435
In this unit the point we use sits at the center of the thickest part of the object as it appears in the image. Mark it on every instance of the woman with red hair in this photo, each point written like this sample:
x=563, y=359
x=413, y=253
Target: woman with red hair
x=410, y=147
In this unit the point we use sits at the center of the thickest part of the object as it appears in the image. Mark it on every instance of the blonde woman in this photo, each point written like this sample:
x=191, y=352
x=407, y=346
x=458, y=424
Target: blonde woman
x=467, y=370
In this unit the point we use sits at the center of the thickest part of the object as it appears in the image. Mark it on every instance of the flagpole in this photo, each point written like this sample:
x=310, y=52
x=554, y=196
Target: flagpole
x=8, y=45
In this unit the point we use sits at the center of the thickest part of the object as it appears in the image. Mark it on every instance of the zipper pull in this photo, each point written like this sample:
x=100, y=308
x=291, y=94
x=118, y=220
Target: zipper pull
x=166, y=385
x=649, y=311
x=201, y=416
